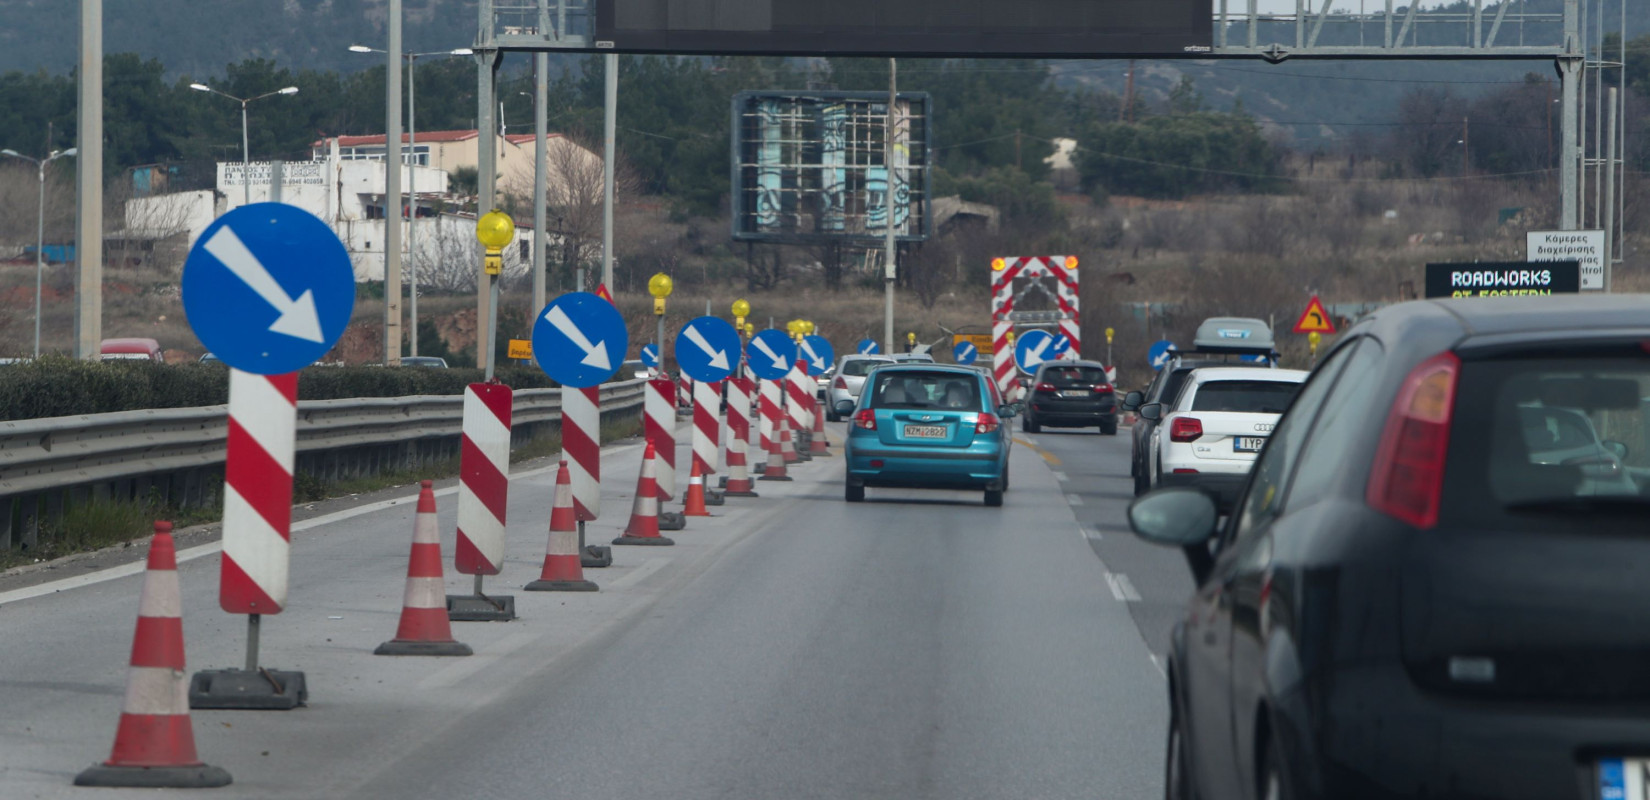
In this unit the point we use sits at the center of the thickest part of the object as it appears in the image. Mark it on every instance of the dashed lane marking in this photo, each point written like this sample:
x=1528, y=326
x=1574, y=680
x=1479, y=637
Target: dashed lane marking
x=1074, y=499
x=1060, y=476
x=1122, y=588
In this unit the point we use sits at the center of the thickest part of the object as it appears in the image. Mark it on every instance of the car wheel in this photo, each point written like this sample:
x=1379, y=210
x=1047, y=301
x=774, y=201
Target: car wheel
x=1108, y=428
x=1031, y=426
x=994, y=497
x=1176, y=775
x=1005, y=477
x=1142, y=484
x=831, y=416
x=853, y=493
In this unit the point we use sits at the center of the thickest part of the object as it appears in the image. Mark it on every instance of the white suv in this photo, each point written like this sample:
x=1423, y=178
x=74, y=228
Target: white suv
x=1217, y=427
x=849, y=378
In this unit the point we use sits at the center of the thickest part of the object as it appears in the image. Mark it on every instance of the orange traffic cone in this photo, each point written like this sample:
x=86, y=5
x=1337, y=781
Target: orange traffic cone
x=693, y=505
x=563, y=564
x=155, y=743
x=816, y=442
x=425, y=629
x=644, y=515
x=787, y=445
x=775, y=469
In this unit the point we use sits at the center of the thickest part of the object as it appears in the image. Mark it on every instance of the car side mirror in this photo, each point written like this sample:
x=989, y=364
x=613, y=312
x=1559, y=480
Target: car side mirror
x=1152, y=411
x=1008, y=410
x=1619, y=448
x=844, y=407
x=1177, y=516
x=1132, y=401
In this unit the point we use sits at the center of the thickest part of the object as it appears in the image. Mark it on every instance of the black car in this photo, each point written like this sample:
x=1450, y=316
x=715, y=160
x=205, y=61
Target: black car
x=1434, y=584
x=1164, y=389
x=1070, y=394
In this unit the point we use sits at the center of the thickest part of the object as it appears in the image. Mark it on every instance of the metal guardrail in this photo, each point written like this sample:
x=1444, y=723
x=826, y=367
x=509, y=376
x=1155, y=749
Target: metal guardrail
x=42, y=456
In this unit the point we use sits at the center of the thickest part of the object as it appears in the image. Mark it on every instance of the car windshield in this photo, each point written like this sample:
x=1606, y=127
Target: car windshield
x=1250, y=397
x=860, y=367
x=1074, y=376
x=949, y=391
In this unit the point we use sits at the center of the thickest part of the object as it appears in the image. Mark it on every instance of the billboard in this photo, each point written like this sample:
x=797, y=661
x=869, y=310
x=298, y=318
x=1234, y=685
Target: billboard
x=1503, y=279
x=813, y=166
x=931, y=28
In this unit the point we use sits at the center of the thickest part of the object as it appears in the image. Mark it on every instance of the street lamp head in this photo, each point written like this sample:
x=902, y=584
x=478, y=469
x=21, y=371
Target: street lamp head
x=73, y=151
x=10, y=152
x=288, y=90
x=360, y=48
x=200, y=87
x=463, y=51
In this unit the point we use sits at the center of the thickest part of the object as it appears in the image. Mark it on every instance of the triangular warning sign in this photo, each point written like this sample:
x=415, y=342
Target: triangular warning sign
x=1315, y=319
x=601, y=291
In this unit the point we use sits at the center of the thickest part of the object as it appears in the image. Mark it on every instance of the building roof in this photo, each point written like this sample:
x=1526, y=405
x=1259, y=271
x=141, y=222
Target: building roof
x=526, y=138
x=425, y=137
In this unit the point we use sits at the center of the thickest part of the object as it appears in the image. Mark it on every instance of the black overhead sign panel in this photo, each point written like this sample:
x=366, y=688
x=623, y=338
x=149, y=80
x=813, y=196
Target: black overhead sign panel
x=1503, y=279
x=931, y=28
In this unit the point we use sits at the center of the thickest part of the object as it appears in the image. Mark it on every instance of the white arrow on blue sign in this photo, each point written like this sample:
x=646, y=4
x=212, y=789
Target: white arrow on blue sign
x=965, y=353
x=1033, y=348
x=268, y=288
x=818, y=352
x=707, y=349
x=867, y=347
x=650, y=356
x=771, y=354
x=579, y=339
x=1158, y=354
x=1061, y=345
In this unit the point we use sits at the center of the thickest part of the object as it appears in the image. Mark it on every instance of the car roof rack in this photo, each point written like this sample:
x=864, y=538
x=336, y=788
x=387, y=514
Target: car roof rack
x=1241, y=336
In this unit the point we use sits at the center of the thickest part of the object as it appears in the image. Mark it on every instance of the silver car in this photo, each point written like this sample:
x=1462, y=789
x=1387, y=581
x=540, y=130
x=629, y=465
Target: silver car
x=850, y=377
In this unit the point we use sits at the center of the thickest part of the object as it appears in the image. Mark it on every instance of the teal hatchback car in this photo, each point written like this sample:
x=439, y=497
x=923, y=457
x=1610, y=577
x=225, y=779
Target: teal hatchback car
x=928, y=426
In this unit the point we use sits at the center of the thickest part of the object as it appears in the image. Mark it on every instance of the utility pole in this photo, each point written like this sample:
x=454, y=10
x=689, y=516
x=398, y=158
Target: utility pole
x=1466, y=144
x=541, y=172
x=88, y=239
x=610, y=70
x=889, y=267
x=392, y=192
x=1126, y=114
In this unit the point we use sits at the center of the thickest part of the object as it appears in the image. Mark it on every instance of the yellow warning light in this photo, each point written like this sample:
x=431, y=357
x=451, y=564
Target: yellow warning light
x=1071, y=262
x=997, y=264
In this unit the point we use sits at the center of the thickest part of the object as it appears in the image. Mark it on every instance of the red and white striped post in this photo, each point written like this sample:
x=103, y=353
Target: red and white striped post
x=797, y=403
x=257, y=549
x=581, y=439
x=816, y=443
x=659, y=428
x=707, y=426
x=770, y=412
x=739, y=438
x=483, y=495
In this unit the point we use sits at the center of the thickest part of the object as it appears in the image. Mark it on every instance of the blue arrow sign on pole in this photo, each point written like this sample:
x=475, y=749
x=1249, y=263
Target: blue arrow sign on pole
x=1158, y=354
x=819, y=354
x=867, y=347
x=579, y=339
x=965, y=353
x=771, y=354
x=1061, y=345
x=650, y=356
x=268, y=288
x=707, y=349
x=1033, y=348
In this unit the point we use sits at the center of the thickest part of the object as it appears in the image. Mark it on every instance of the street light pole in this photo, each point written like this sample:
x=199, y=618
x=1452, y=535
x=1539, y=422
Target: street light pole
x=40, y=230
x=246, y=150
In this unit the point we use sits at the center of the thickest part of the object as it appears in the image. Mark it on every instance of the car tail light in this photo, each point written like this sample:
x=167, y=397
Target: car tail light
x=987, y=423
x=866, y=418
x=1104, y=388
x=1408, y=476
x=1046, y=387
x=840, y=383
x=1184, y=471
x=1185, y=429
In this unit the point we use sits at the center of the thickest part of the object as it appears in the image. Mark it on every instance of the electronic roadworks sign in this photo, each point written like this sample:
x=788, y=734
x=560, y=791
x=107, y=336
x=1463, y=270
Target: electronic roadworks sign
x=1503, y=279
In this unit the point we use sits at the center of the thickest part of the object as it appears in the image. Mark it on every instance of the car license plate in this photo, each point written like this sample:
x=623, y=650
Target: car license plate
x=1248, y=444
x=925, y=432
x=1624, y=779
x=1074, y=395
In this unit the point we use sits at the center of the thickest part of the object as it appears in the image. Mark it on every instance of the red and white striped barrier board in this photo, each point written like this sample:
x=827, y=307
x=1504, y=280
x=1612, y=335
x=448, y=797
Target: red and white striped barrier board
x=581, y=440
x=484, y=479
x=257, y=492
x=1063, y=269
x=707, y=426
x=770, y=412
x=739, y=436
x=684, y=390
x=659, y=428
x=799, y=398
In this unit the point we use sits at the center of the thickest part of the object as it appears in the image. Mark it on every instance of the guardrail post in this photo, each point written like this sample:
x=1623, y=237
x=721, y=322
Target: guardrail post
x=6, y=505
x=29, y=521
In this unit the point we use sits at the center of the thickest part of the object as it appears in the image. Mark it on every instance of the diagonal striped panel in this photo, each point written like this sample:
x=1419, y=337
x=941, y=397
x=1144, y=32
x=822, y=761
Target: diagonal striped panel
x=257, y=512
x=581, y=449
x=707, y=425
x=484, y=479
x=659, y=428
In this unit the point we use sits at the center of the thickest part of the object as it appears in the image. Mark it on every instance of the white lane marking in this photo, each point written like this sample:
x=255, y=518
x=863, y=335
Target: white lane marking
x=1121, y=588
x=1060, y=476
x=647, y=568
x=1074, y=499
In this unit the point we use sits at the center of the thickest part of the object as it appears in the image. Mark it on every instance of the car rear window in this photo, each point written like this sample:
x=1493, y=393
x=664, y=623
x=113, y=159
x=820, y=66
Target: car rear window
x=1252, y=397
x=1531, y=439
x=860, y=367
x=947, y=391
x=1074, y=376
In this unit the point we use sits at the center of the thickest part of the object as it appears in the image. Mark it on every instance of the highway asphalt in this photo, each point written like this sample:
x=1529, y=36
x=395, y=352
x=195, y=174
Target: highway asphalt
x=917, y=645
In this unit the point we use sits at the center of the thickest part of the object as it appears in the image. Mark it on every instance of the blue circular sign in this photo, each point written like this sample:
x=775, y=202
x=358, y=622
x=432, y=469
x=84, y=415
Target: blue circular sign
x=1033, y=348
x=650, y=356
x=579, y=340
x=1158, y=354
x=965, y=353
x=771, y=354
x=1062, y=345
x=268, y=288
x=707, y=349
x=1253, y=358
x=818, y=353
x=867, y=347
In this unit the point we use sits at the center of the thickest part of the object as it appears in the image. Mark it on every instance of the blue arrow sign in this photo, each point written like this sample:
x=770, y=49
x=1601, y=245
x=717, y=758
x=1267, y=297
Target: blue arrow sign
x=650, y=356
x=579, y=339
x=771, y=354
x=1033, y=348
x=1158, y=354
x=965, y=353
x=867, y=347
x=1061, y=345
x=1253, y=358
x=818, y=352
x=707, y=349
x=268, y=288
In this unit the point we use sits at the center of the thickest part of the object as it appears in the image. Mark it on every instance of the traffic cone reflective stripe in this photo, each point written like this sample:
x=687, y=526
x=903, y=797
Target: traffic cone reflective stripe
x=775, y=470
x=563, y=563
x=644, y=515
x=154, y=741
x=694, y=504
x=425, y=629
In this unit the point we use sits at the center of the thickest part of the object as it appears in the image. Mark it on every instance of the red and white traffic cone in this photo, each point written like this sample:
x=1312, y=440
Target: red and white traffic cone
x=563, y=564
x=739, y=477
x=644, y=515
x=787, y=445
x=776, y=470
x=155, y=743
x=425, y=629
x=816, y=443
x=693, y=504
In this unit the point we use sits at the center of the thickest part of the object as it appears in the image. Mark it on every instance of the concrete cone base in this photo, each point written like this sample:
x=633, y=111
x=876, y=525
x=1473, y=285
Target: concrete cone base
x=263, y=690
x=596, y=556
x=776, y=478
x=198, y=776
x=561, y=586
x=715, y=498
x=475, y=608
x=399, y=648
x=740, y=494
x=655, y=541
x=672, y=521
